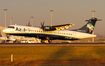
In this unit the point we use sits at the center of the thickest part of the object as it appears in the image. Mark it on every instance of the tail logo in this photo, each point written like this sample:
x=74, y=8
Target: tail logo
x=90, y=26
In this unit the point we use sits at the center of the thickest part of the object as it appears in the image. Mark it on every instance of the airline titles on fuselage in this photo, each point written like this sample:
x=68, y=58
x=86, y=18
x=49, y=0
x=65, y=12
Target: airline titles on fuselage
x=41, y=31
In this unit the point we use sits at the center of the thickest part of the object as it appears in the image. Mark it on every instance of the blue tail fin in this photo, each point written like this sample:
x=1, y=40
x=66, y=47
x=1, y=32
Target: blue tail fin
x=89, y=27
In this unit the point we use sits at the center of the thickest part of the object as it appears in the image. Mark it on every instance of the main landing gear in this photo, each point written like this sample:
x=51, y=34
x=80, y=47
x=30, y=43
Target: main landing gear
x=47, y=40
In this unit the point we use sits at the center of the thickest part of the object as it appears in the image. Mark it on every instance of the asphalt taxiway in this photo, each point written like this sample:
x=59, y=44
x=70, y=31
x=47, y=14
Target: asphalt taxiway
x=49, y=44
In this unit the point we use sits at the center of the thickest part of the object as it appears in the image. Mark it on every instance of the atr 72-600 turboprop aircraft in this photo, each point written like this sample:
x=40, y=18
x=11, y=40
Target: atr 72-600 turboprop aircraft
x=53, y=32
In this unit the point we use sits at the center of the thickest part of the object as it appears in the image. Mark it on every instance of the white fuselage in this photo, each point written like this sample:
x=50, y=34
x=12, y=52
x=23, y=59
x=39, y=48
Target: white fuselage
x=16, y=29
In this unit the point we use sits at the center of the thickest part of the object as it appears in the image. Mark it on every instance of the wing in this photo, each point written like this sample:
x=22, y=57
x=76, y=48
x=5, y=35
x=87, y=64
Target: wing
x=62, y=27
x=58, y=27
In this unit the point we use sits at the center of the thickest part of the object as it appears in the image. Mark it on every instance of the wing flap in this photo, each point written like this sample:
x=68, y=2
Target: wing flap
x=57, y=27
x=62, y=27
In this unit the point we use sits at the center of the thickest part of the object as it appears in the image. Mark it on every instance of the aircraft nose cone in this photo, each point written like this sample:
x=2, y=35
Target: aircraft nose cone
x=4, y=31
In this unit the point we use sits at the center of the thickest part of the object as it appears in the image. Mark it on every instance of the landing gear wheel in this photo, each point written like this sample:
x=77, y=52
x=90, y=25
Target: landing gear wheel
x=49, y=41
x=42, y=41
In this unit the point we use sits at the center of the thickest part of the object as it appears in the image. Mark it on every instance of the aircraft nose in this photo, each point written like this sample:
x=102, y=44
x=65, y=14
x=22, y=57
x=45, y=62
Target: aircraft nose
x=4, y=31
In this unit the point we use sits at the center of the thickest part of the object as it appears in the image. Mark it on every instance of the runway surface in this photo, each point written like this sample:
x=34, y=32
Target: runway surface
x=50, y=44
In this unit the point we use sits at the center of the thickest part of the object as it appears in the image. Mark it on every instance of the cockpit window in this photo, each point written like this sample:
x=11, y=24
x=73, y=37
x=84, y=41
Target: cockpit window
x=11, y=27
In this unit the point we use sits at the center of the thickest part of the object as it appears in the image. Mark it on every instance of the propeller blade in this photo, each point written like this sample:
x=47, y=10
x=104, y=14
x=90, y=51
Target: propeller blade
x=42, y=24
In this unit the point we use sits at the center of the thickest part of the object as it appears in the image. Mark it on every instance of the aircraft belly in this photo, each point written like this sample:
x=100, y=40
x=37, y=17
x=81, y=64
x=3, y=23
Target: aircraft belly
x=43, y=36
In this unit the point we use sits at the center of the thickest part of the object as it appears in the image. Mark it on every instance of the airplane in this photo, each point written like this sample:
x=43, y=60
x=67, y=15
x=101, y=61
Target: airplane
x=7, y=39
x=57, y=32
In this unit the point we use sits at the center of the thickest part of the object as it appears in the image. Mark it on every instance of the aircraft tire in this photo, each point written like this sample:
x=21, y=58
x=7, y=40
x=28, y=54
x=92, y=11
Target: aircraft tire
x=42, y=41
x=49, y=41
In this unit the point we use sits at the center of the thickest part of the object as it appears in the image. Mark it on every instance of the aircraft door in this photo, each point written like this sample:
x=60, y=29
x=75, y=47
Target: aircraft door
x=74, y=35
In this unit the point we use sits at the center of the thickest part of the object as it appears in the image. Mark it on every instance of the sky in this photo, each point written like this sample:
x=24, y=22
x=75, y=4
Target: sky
x=64, y=12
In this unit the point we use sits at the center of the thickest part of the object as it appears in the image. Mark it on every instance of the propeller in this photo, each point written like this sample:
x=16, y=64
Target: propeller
x=42, y=24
